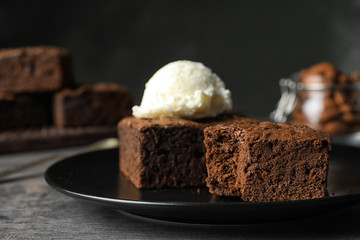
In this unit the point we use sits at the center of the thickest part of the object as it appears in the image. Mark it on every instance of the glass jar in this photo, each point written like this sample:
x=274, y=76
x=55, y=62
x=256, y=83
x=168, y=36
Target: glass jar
x=331, y=107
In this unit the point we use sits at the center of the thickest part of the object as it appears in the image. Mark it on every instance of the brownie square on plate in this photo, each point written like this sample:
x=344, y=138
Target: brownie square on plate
x=267, y=161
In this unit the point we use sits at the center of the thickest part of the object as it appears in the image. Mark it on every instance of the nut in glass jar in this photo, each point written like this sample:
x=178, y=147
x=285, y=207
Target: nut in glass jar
x=329, y=101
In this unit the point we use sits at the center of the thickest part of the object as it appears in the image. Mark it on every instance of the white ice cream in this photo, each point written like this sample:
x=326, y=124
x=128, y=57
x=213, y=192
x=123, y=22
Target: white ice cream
x=183, y=89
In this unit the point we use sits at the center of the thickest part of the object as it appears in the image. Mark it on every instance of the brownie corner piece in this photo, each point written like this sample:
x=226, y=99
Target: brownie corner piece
x=222, y=151
x=267, y=161
x=166, y=152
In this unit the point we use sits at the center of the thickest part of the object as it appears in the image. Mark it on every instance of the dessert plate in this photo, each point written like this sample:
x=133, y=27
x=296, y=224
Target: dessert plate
x=95, y=177
x=352, y=139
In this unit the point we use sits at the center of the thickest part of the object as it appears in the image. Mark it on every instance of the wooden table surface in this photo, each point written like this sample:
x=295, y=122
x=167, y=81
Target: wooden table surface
x=31, y=209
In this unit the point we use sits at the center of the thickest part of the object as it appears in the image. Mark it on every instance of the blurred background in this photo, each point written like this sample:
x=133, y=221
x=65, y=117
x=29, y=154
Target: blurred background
x=249, y=44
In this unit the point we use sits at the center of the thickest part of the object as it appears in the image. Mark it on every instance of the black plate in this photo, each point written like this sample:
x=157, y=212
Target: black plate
x=95, y=177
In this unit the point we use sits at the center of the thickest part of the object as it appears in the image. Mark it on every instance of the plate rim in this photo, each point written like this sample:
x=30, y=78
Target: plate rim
x=91, y=197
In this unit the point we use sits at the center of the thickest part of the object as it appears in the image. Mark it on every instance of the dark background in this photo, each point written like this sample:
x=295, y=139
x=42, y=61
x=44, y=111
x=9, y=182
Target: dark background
x=249, y=44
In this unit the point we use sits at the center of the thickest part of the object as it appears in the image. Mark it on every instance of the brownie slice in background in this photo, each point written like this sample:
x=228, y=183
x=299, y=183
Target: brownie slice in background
x=100, y=104
x=35, y=69
x=267, y=161
x=25, y=110
x=166, y=152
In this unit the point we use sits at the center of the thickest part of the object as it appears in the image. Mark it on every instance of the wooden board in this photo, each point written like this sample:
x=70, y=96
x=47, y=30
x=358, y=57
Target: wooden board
x=52, y=137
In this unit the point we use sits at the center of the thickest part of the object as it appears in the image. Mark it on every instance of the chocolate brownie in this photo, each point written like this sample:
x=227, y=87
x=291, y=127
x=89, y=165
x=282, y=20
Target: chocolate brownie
x=24, y=110
x=34, y=69
x=267, y=161
x=92, y=105
x=166, y=152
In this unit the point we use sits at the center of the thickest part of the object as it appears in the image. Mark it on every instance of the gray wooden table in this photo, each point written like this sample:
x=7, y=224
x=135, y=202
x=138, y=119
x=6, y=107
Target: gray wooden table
x=30, y=209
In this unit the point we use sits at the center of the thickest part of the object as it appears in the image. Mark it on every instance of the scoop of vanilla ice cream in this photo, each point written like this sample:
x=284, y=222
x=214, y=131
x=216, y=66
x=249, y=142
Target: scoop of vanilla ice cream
x=184, y=89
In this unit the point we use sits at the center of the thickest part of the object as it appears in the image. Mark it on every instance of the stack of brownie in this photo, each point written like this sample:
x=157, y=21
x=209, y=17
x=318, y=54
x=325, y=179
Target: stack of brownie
x=28, y=79
x=41, y=107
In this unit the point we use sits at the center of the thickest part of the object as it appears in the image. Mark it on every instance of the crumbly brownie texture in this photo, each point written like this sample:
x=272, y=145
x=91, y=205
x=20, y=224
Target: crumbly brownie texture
x=267, y=161
x=24, y=110
x=92, y=105
x=34, y=69
x=166, y=152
